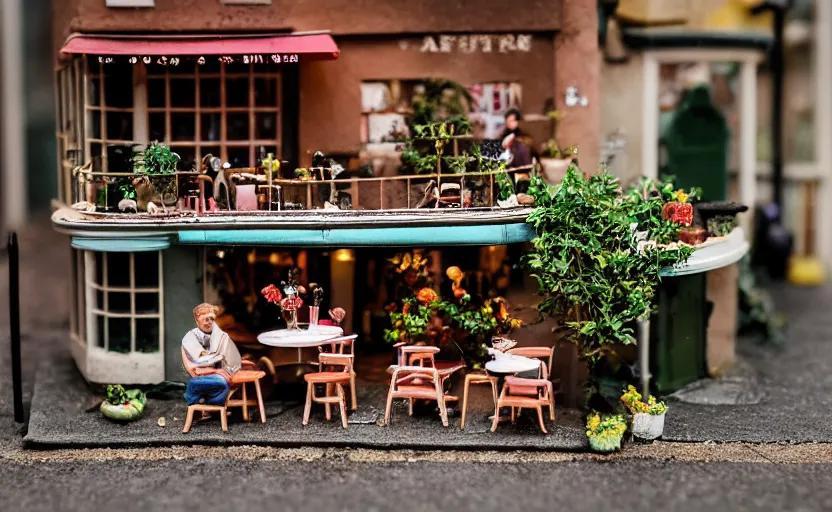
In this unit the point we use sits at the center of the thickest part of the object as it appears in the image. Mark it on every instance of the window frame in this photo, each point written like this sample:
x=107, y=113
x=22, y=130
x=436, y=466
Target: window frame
x=93, y=311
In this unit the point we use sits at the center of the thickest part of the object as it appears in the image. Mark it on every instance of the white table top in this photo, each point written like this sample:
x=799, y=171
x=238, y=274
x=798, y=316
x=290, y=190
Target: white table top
x=711, y=256
x=511, y=364
x=300, y=338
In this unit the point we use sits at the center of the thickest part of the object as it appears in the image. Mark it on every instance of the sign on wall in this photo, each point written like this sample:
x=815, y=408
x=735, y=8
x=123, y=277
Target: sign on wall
x=474, y=43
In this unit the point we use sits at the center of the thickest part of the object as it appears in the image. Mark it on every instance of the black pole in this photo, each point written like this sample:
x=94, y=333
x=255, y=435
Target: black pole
x=777, y=106
x=14, y=320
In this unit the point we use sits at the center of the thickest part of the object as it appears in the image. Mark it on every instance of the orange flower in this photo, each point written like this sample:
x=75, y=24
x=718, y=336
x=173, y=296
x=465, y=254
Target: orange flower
x=427, y=295
x=503, y=314
x=459, y=292
x=454, y=274
x=405, y=309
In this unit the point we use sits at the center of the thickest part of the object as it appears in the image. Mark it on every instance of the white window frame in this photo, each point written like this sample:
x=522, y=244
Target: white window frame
x=99, y=364
x=130, y=3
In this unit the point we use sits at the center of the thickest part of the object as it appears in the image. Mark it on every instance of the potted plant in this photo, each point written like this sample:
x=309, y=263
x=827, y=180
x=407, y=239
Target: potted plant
x=648, y=418
x=156, y=176
x=605, y=434
x=553, y=160
x=123, y=405
x=597, y=257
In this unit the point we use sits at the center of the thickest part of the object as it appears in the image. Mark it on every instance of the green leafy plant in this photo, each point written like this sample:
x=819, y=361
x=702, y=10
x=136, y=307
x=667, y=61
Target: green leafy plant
x=632, y=400
x=551, y=149
x=303, y=173
x=721, y=225
x=123, y=405
x=607, y=427
x=155, y=159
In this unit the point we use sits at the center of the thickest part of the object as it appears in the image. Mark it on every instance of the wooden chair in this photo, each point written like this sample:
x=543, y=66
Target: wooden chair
x=477, y=378
x=333, y=380
x=544, y=354
x=425, y=356
x=343, y=345
x=416, y=383
x=525, y=394
x=236, y=382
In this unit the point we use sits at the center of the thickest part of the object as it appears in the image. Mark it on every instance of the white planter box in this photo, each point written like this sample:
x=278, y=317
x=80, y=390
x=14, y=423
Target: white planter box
x=554, y=169
x=648, y=426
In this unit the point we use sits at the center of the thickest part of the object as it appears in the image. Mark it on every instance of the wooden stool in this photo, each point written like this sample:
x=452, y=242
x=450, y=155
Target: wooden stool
x=223, y=410
x=331, y=379
x=241, y=378
x=477, y=378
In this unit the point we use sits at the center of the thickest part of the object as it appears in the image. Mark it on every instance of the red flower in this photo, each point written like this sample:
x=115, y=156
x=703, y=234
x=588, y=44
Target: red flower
x=390, y=307
x=291, y=303
x=272, y=294
x=405, y=309
x=427, y=295
x=680, y=213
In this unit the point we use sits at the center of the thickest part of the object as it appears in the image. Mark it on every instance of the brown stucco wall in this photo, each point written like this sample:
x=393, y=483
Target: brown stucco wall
x=578, y=64
x=339, y=16
x=331, y=93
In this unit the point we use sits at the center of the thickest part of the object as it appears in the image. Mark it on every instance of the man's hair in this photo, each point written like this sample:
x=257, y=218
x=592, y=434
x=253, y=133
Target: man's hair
x=513, y=112
x=203, y=309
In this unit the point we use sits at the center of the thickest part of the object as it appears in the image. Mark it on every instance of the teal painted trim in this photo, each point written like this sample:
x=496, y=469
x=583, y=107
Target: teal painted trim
x=120, y=244
x=657, y=38
x=493, y=234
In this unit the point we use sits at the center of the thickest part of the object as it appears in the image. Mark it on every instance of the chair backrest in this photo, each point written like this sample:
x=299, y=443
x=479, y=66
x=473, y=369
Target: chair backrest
x=410, y=355
x=343, y=361
x=341, y=344
x=415, y=376
x=246, y=198
x=545, y=354
x=521, y=386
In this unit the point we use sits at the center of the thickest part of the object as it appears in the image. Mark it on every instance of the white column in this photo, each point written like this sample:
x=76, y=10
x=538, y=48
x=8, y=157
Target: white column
x=823, y=125
x=14, y=126
x=748, y=138
x=650, y=117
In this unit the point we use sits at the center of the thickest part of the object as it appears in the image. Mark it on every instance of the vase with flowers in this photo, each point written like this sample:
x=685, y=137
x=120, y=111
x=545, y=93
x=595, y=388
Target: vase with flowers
x=289, y=301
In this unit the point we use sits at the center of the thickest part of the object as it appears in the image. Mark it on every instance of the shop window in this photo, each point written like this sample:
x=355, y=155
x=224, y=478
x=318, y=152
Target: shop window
x=228, y=110
x=386, y=105
x=125, y=294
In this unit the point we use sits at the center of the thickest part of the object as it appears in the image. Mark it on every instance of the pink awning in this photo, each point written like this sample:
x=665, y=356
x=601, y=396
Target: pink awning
x=310, y=45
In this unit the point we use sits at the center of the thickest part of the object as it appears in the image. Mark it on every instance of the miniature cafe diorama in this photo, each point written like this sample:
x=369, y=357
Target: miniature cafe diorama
x=220, y=264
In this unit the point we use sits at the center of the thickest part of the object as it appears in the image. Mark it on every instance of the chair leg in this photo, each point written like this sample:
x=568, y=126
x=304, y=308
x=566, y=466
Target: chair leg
x=410, y=407
x=328, y=393
x=494, y=393
x=353, y=392
x=540, y=419
x=260, y=401
x=552, y=409
x=496, y=419
x=465, y=387
x=389, y=406
x=512, y=416
x=308, y=407
x=224, y=419
x=440, y=399
x=342, y=404
x=245, y=403
x=189, y=420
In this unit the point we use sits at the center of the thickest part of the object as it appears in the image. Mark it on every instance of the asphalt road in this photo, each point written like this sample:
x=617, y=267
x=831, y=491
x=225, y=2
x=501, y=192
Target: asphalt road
x=323, y=485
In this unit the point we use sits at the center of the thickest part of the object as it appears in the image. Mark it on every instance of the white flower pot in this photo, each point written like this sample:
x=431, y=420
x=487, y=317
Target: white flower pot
x=648, y=426
x=554, y=169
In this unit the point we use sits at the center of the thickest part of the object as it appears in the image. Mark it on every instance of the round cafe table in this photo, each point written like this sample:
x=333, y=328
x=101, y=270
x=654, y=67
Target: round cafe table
x=300, y=338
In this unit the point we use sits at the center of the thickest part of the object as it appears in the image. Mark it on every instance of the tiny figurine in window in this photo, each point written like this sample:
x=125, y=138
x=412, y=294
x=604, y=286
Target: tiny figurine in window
x=211, y=358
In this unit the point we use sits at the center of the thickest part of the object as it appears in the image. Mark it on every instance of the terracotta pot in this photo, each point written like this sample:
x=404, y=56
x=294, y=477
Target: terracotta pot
x=554, y=169
x=648, y=426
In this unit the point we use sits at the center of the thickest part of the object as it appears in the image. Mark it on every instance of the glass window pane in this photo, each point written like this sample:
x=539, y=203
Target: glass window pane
x=101, y=325
x=120, y=125
x=146, y=265
x=182, y=92
x=187, y=157
x=209, y=92
x=156, y=122
x=183, y=126
x=212, y=65
x=99, y=300
x=99, y=267
x=118, y=85
x=238, y=157
x=119, y=332
x=236, y=126
x=119, y=157
x=186, y=66
x=118, y=269
x=156, y=92
x=238, y=66
x=93, y=66
x=94, y=92
x=210, y=127
x=265, y=92
x=265, y=126
x=210, y=150
x=147, y=302
x=118, y=302
x=236, y=92
x=147, y=334
x=94, y=119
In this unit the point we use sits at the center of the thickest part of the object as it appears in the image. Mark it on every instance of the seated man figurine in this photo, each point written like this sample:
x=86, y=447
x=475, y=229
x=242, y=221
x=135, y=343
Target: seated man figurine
x=213, y=357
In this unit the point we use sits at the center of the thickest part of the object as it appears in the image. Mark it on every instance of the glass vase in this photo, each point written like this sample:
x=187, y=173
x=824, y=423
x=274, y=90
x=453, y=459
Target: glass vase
x=291, y=317
x=313, y=318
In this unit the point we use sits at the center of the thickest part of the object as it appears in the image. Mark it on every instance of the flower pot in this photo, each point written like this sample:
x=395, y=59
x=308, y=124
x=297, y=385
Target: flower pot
x=604, y=444
x=648, y=426
x=554, y=169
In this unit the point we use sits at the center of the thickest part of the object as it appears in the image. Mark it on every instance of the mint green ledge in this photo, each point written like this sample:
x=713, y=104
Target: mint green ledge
x=120, y=244
x=493, y=234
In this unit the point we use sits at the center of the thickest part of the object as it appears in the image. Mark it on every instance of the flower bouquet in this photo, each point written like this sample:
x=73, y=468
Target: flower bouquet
x=289, y=301
x=648, y=418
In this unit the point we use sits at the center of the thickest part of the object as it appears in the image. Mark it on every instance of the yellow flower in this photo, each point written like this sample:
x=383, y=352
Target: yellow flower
x=681, y=196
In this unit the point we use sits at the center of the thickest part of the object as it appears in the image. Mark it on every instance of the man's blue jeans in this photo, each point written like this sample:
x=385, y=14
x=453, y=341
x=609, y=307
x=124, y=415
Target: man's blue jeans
x=213, y=388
